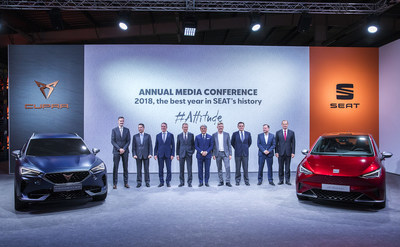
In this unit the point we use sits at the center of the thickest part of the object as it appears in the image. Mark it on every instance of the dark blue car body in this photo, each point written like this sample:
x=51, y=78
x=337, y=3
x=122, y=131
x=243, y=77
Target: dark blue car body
x=54, y=167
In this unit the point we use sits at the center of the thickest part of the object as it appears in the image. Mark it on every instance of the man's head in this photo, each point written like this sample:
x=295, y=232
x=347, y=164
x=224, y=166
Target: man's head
x=265, y=128
x=120, y=121
x=203, y=129
x=164, y=127
x=141, y=128
x=220, y=127
x=285, y=124
x=185, y=127
x=240, y=126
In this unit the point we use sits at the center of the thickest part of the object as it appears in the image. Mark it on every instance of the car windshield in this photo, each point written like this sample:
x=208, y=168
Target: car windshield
x=344, y=146
x=57, y=147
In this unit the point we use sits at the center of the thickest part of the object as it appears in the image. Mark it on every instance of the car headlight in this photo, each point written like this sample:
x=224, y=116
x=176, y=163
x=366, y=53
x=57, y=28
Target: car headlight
x=305, y=170
x=28, y=172
x=98, y=168
x=375, y=174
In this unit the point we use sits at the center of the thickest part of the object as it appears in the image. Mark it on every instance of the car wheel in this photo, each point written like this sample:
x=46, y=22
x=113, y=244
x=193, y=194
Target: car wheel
x=302, y=198
x=380, y=205
x=100, y=197
x=18, y=205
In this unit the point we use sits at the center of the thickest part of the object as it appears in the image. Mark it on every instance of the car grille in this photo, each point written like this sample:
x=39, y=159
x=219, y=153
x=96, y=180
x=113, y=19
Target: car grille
x=68, y=195
x=340, y=180
x=336, y=195
x=59, y=178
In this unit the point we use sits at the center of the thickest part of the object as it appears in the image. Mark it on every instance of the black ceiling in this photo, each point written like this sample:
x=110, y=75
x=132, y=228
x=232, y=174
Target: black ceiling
x=40, y=25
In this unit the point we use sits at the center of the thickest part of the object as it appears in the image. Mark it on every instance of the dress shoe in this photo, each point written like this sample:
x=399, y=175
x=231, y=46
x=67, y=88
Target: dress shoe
x=272, y=183
x=168, y=185
x=161, y=185
x=200, y=184
x=288, y=183
x=114, y=187
x=189, y=185
x=180, y=185
x=138, y=185
x=207, y=185
x=229, y=184
x=280, y=183
x=147, y=184
x=221, y=183
x=248, y=184
x=127, y=186
x=259, y=183
x=237, y=183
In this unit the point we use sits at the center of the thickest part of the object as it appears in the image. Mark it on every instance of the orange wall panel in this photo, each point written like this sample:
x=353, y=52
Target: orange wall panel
x=330, y=66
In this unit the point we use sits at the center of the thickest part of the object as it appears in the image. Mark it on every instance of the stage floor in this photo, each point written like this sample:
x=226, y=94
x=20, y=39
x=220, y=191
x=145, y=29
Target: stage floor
x=215, y=216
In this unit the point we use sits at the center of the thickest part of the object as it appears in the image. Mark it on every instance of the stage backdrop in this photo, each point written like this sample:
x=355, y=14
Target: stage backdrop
x=34, y=107
x=152, y=84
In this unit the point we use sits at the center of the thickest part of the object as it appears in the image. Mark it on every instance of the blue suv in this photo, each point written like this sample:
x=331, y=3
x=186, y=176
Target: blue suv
x=52, y=167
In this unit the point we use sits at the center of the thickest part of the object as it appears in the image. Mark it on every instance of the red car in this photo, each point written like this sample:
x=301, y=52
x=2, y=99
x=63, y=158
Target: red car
x=344, y=167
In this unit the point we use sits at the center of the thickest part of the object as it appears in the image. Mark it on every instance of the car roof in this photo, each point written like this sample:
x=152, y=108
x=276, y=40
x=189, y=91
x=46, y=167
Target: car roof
x=333, y=134
x=54, y=135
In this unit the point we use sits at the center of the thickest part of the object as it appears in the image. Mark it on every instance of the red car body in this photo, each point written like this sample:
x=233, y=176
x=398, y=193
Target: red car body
x=343, y=167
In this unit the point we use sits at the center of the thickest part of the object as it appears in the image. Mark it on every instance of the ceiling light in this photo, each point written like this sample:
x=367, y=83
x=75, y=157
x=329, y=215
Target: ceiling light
x=255, y=23
x=123, y=20
x=372, y=29
x=189, y=26
x=123, y=25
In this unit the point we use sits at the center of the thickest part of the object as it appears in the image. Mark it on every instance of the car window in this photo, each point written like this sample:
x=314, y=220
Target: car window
x=344, y=145
x=56, y=147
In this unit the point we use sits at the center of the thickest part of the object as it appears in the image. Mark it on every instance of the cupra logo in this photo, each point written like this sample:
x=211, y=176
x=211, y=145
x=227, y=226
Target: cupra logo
x=49, y=86
x=68, y=177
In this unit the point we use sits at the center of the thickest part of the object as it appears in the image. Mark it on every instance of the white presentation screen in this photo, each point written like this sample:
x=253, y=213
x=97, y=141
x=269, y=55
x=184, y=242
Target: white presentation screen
x=152, y=84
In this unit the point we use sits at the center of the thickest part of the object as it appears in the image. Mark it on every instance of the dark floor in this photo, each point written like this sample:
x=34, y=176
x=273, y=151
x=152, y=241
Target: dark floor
x=215, y=216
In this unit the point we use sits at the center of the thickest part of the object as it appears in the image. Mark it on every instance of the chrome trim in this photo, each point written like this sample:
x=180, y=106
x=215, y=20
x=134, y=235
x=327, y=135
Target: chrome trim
x=311, y=196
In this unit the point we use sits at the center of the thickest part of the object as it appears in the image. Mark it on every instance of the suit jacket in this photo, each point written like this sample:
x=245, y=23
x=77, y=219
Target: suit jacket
x=262, y=146
x=119, y=141
x=287, y=147
x=226, y=142
x=185, y=147
x=164, y=149
x=206, y=144
x=142, y=151
x=241, y=148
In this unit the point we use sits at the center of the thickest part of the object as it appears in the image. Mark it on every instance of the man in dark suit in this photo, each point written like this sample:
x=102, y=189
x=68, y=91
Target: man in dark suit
x=284, y=151
x=204, y=145
x=184, y=152
x=142, y=151
x=241, y=141
x=222, y=151
x=164, y=152
x=266, y=145
x=120, y=139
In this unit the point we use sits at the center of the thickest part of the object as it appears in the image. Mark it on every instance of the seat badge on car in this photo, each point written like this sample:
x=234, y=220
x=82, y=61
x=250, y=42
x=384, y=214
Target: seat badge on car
x=335, y=170
x=68, y=177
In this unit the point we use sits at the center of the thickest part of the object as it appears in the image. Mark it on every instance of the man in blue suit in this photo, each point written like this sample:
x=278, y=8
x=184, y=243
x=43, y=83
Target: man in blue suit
x=164, y=152
x=184, y=152
x=284, y=151
x=120, y=139
x=241, y=141
x=266, y=145
x=204, y=145
x=142, y=151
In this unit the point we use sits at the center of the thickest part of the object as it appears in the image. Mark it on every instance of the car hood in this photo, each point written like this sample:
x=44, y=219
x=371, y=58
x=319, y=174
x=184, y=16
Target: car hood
x=53, y=164
x=343, y=165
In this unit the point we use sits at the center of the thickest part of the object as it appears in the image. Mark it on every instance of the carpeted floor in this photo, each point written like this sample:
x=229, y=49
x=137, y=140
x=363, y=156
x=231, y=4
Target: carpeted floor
x=215, y=216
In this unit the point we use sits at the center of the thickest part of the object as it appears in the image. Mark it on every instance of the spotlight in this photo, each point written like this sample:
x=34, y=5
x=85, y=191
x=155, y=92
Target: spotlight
x=373, y=24
x=255, y=23
x=123, y=20
x=190, y=26
x=372, y=29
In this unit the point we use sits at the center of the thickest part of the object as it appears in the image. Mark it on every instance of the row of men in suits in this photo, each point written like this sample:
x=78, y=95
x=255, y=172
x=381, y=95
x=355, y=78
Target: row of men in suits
x=217, y=146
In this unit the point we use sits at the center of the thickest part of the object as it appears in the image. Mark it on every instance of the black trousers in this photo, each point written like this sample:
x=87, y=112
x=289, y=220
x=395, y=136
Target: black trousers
x=145, y=163
x=284, y=167
x=116, y=158
x=239, y=162
x=189, y=160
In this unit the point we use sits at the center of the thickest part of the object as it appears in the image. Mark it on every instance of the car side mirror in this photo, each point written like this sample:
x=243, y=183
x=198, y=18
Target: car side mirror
x=386, y=155
x=304, y=151
x=16, y=154
x=95, y=150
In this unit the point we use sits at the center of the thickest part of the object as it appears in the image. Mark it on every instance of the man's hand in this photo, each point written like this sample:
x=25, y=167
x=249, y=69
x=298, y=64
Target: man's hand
x=292, y=156
x=135, y=157
x=155, y=157
x=277, y=155
x=172, y=157
x=121, y=151
x=230, y=157
x=149, y=156
x=213, y=157
x=266, y=152
x=177, y=157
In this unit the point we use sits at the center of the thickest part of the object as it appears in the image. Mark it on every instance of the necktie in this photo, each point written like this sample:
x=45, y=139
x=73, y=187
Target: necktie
x=120, y=130
x=163, y=137
x=185, y=137
x=241, y=133
x=204, y=136
x=284, y=134
x=141, y=138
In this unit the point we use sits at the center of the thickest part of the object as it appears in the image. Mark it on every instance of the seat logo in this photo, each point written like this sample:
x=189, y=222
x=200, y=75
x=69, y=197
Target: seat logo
x=49, y=86
x=344, y=92
x=68, y=177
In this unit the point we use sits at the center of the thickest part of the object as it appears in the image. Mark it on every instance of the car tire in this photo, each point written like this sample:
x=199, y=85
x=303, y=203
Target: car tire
x=302, y=198
x=100, y=197
x=18, y=205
